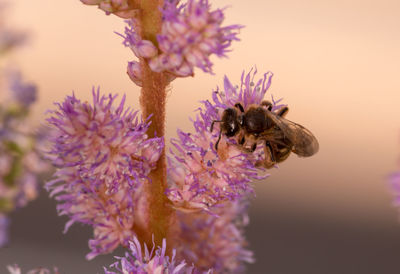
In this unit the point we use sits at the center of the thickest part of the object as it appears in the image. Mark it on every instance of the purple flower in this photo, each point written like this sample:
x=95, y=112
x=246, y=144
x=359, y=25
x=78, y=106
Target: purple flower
x=190, y=34
x=201, y=177
x=20, y=160
x=215, y=242
x=142, y=261
x=103, y=155
x=4, y=223
x=24, y=93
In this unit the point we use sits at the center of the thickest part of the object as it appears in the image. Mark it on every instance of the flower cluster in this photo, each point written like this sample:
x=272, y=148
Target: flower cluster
x=216, y=242
x=20, y=161
x=121, y=8
x=154, y=261
x=190, y=34
x=103, y=155
x=200, y=176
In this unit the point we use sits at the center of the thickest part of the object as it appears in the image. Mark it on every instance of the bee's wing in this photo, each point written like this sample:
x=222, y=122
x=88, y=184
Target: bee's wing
x=304, y=142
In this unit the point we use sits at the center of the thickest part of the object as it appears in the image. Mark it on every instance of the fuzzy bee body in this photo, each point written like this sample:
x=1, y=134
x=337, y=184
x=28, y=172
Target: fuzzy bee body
x=258, y=123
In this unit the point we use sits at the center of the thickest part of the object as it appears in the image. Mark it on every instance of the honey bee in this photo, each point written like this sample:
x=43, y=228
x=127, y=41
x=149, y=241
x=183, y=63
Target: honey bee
x=258, y=124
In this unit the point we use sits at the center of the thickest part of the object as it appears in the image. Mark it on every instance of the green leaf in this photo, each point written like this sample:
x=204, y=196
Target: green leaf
x=13, y=147
x=15, y=171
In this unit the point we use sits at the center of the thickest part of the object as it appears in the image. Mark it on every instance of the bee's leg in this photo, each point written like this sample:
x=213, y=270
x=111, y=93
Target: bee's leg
x=219, y=138
x=271, y=152
x=269, y=160
x=212, y=124
x=283, y=111
x=239, y=106
x=284, y=153
x=267, y=104
x=253, y=147
x=241, y=140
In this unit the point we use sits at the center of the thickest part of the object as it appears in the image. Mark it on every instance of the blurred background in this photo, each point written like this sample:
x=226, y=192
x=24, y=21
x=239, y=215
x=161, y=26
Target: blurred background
x=336, y=64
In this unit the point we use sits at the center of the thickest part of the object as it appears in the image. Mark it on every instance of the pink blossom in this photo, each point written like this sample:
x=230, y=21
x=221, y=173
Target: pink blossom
x=103, y=155
x=142, y=260
x=199, y=175
x=215, y=241
x=190, y=34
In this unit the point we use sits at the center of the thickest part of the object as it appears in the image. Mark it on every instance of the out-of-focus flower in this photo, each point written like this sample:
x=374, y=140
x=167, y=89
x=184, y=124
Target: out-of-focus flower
x=190, y=34
x=155, y=261
x=21, y=165
x=3, y=228
x=122, y=8
x=215, y=242
x=24, y=93
x=15, y=269
x=199, y=176
x=103, y=155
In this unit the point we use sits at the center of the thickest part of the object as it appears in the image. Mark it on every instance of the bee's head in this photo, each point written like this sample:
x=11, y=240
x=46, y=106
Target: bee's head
x=230, y=122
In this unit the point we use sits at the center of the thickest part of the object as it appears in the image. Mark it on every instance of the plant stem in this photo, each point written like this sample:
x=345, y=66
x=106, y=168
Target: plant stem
x=152, y=100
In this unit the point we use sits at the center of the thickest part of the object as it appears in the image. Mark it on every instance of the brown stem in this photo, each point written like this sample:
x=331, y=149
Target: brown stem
x=152, y=100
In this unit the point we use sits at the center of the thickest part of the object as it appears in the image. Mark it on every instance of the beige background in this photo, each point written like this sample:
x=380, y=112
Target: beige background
x=336, y=64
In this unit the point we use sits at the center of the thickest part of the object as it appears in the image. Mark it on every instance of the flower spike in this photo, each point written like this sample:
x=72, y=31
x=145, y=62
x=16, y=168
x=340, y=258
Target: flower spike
x=104, y=156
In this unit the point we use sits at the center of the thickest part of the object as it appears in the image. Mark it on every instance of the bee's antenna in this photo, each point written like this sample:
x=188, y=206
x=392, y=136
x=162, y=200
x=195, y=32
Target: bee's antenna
x=240, y=107
x=212, y=124
x=219, y=138
x=283, y=111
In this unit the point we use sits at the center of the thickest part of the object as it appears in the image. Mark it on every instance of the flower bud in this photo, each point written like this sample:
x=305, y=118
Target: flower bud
x=155, y=64
x=135, y=72
x=146, y=49
x=122, y=8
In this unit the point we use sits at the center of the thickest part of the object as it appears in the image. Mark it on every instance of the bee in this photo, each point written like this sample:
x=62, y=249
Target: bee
x=258, y=124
